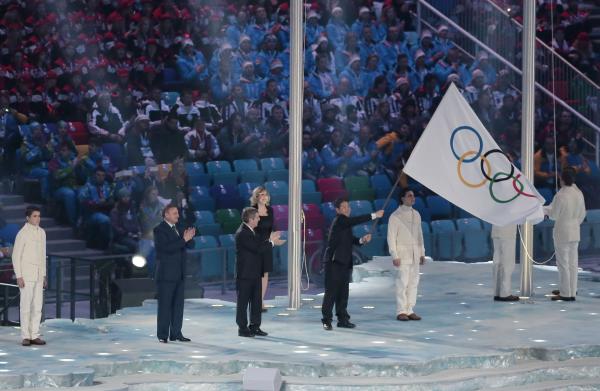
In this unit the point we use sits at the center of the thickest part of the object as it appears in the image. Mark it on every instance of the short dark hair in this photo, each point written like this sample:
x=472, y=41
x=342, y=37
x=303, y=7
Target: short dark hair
x=339, y=201
x=30, y=209
x=166, y=209
x=568, y=176
x=248, y=213
x=403, y=192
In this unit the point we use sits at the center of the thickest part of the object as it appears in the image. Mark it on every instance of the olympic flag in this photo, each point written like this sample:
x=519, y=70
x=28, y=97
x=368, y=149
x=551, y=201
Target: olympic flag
x=458, y=159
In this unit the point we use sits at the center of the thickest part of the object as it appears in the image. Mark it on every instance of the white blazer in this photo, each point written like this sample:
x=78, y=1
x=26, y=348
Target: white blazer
x=29, y=253
x=405, y=235
x=568, y=210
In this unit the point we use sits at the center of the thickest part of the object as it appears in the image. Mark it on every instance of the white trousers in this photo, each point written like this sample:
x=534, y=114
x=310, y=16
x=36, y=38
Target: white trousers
x=567, y=262
x=407, y=281
x=504, y=265
x=32, y=299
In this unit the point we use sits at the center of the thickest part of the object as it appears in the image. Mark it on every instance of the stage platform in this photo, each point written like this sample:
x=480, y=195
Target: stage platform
x=465, y=341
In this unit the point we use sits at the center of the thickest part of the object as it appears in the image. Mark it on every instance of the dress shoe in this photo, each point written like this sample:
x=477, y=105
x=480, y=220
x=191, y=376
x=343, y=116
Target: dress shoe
x=556, y=292
x=327, y=326
x=414, y=316
x=402, y=317
x=26, y=342
x=245, y=333
x=506, y=298
x=162, y=340
x=346, y=325
x=258, y=331
x=38, y=341
x=562, y=298
x=181, y=339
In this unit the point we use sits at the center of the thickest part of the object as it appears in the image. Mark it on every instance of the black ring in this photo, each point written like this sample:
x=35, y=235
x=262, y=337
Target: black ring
x=507, y=177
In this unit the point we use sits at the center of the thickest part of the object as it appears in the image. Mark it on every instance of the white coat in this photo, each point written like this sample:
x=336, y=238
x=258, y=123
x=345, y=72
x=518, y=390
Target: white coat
x=568, y=211
x=405, y=235
x=29, y=253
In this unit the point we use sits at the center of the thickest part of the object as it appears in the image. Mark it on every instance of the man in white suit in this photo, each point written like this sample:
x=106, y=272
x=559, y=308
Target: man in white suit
x=568, y=211
x=504, y=239
x=405, y=241
x=29, y=264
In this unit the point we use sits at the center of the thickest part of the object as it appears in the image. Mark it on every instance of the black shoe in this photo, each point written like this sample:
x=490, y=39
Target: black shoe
x=180, y=339
x=245, y=333
x=346, y=325
x=162, y=340
x=327, y=326
x=258, y=331
x=562, y=298
x=506, y=298
x=556, y=292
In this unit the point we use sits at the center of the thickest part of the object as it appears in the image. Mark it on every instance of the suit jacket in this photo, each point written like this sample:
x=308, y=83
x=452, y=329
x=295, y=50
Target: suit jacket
x=249, y=252
x=171, y=253
x=341, y=239
x=29, y=253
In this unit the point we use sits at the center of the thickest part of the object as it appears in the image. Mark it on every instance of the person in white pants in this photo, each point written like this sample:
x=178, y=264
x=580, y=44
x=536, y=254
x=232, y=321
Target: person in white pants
x=504, y=239
x=29, y=264
x=405, y=241
x=568, y=211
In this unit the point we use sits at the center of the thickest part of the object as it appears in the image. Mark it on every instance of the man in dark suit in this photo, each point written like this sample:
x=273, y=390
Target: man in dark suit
x=338, y=267
x=171, y=246
x=248, y=265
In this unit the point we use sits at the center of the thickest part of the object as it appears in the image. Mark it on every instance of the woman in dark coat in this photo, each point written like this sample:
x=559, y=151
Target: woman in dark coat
x=260, y=200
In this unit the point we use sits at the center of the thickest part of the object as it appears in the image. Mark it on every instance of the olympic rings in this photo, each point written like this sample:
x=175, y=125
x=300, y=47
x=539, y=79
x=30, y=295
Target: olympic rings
x=486, y=168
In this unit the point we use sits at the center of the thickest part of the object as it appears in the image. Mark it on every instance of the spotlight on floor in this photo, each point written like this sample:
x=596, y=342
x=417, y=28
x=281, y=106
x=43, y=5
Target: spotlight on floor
x=138, y=260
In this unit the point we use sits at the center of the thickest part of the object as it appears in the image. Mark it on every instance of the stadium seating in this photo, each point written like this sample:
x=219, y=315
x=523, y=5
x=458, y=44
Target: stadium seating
x=448, y=240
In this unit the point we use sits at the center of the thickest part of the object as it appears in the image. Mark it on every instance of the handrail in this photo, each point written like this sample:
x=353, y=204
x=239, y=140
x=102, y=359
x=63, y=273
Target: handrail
x=544, y=44
x=509, y=64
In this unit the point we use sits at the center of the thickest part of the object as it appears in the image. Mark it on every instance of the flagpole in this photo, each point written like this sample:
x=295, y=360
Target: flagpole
x=527, y=129
x=295, y=161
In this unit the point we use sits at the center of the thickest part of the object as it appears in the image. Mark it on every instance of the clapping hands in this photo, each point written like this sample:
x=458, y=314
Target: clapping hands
x=189, y=234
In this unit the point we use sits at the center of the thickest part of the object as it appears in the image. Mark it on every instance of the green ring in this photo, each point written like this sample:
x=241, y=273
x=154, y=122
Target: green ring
x=492, y=191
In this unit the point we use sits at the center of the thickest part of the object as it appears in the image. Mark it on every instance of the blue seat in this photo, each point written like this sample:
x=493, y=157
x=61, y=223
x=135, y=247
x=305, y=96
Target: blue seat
x=462, y=214
x=476, y=239
x=389, y=209
x=382, y=185
x=447, y=239
x=199, y=179
x=422, y=209
x=328, y=211
x=245, y=165
x=204, y=216
x=245, y=188
x=226, y=196
x=272, y=163
x=362, y=229
x=312, y=197
x=223, y=190
x=308, y=185
x=170, y=97
x=212, y=229
x=210, y=256
x=278, y=175
x=221, y=173
x=585, y=241
x=194, y=167
x=360, y=207
x=277, y=187
x=9, y=232
x=427, y=238
x=547, y=193
x=279, y=199
x=593, y=218
x=228, y=242
x=439, y=207
x=252, y=176
x=200, y=198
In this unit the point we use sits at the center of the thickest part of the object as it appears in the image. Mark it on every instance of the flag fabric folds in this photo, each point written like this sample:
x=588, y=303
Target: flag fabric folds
x=458, y=159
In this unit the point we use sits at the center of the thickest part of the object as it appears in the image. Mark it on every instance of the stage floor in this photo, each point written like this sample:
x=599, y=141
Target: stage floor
x=465, y=341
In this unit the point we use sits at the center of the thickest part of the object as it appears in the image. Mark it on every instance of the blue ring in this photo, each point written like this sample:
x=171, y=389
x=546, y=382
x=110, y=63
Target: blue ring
x=478, y=155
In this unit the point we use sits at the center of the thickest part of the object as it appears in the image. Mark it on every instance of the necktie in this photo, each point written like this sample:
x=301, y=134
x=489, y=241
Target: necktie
x=175, y=229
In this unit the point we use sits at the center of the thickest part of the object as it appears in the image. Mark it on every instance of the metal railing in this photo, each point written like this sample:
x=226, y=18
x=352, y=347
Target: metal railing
x=486, y=27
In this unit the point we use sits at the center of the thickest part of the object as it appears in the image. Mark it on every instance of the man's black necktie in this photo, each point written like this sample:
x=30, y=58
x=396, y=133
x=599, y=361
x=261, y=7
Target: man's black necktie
x=175, y=229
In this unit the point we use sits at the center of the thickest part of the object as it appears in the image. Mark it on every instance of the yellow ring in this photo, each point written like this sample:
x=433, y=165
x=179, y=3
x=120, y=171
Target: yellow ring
x=460, y=176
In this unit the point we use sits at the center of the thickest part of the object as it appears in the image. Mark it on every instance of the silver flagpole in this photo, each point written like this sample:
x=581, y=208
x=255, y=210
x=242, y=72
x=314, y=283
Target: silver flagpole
x=295, y=163
x=527, y=129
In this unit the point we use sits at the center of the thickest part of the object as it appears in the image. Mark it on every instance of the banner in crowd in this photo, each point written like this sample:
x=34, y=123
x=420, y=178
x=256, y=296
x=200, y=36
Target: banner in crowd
x=458, y=159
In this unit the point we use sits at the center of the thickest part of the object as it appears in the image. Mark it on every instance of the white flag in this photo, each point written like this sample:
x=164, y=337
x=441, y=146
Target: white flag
x=458, y=159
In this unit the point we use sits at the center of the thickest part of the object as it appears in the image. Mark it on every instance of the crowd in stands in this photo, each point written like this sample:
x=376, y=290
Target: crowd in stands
x=175, y=81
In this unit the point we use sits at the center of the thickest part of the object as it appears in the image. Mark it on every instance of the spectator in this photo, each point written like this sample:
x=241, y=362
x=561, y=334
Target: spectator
x=62, y=137
x=545, y=165
x=186, y=111
x=137, y=141
x=281, y=76
x=350, y=50
x=442, y=43
x=106, y=122
x=276, y=134
x=452, y=64
x=353, y=75
x=96, y=199
x=191, y=65
x=236, y=142
x=322, y=81
x=155, y=108
x=245, y=53
x=237, y=103
x=364, y=162
x=125, y=179
x=270, y=98
x=187, y=218
x=483, y=64
x=95, y=158
x=432, y=55
x=269, y=53
x=336, y=156
x=313, y=29
x=377, y=94
x=260, y=26
x=124, y=223
x=64, y=181
x=222, y=82
x=337, y=28
x=345, y=98
x=417, y=77
x=167, y=140
x=252, y=85
x=390, y=48
x=10, y=137
x=476, y=86
x=36, y=152
x=177, y=180
x=312, y=164
x=236, y=30
x=427, y=94
x=365, y=20
x=202, y=145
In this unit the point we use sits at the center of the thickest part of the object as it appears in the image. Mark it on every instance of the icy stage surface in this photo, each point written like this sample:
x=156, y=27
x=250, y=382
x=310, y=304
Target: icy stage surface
x=464, y=342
